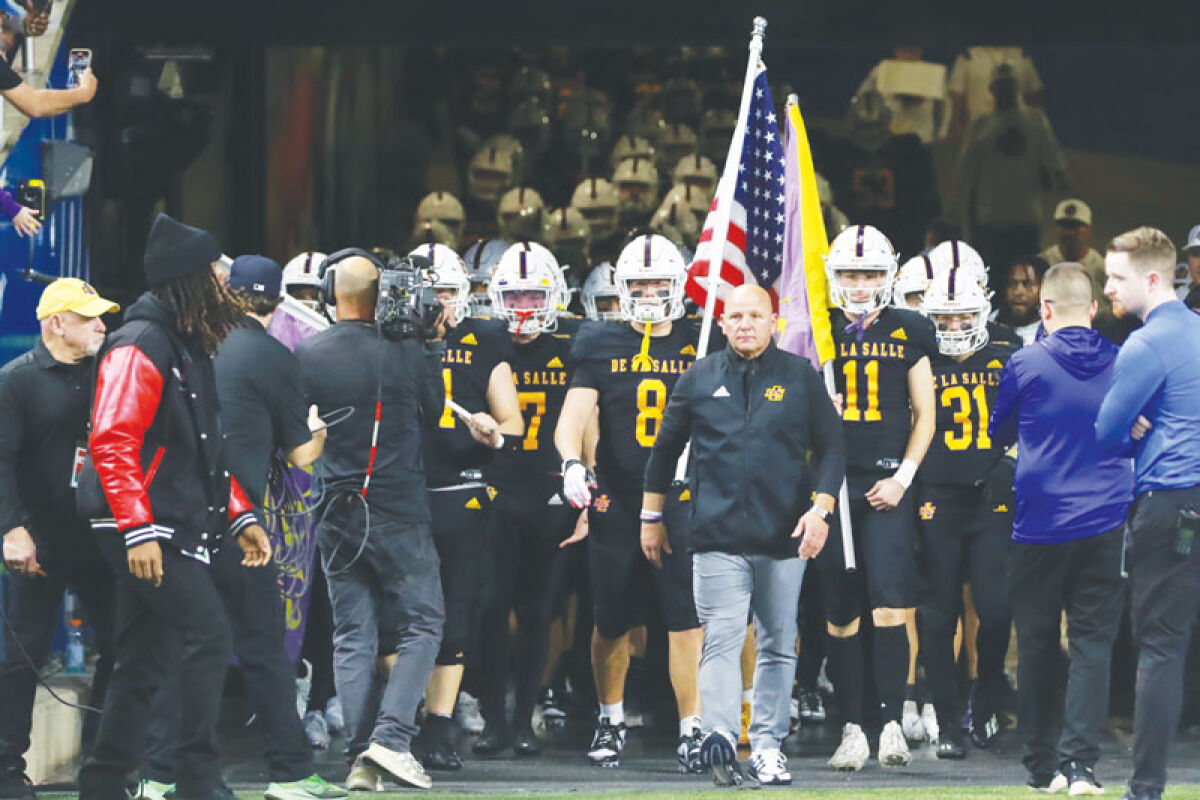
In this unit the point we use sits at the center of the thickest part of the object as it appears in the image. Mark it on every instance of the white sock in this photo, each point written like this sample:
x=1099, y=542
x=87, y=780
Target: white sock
x=614, y=711
x=687, y=725
x=748, y=695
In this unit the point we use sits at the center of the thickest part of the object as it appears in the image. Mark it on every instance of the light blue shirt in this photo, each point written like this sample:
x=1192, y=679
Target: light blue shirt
x=1157, y=375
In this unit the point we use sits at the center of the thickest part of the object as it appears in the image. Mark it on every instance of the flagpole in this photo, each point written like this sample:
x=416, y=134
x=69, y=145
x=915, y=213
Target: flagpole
x=720, y=229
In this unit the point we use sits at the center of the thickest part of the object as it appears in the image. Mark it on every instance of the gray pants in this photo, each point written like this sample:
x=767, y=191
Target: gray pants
x=386, y=599
x=726, y=588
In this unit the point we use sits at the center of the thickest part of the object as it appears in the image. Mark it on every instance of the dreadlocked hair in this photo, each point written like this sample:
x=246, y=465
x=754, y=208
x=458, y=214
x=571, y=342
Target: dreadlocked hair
x=204, y=310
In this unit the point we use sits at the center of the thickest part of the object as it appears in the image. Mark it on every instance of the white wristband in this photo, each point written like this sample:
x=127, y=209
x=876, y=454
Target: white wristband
x=499, y=441
x=905, y=474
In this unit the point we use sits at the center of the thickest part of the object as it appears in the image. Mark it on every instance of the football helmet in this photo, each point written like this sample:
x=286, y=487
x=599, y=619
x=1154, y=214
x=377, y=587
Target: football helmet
x=448, y=273
x=954, y=254
x=913, y=277
x=597, y=200
x=300, y=280
x=699, y=201
x=650, y=257
x=600, y=284
x=953, y=294
x=697, y=171
x=676, y=142
x=445, y=208
x=480, y=260
x=631, y=147
x=495, y=168
x=646, y=123
x=520, y=214
x=675, y=212
x=716, y=132
x=636, y=180
x=568, y=237
x=528, y=289
x=860, y=248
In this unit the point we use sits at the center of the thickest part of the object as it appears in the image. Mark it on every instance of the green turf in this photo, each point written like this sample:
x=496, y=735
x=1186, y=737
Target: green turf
x=958, y=793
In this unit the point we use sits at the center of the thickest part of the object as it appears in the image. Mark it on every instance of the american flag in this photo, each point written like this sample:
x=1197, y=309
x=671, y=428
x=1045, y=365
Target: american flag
x=754, y=242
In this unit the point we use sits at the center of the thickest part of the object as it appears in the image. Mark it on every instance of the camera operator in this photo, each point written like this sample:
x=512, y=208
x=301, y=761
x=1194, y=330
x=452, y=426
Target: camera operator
x=374, y=531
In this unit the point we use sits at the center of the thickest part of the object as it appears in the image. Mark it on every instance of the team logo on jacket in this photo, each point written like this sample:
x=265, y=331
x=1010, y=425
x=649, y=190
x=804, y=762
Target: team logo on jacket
x=491, y=492
x=774, y=393
x=1000, y=509
x=601, y=503
x=927, y=511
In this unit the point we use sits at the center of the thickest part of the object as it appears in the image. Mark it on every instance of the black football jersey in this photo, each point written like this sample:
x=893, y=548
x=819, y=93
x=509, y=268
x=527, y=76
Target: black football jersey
x=1002, y=334
x=961, y=452
x=542, y=371
x=473, y=349
x=871, y=373
x=631, y=401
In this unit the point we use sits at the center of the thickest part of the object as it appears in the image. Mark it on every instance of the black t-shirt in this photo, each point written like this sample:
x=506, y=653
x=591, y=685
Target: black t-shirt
x=631, y=402
x=542, y=372
x=473, y=349
x=961, y=452
x=871, y=374
x=352, y=364
x=263, y=407
x=9, y=79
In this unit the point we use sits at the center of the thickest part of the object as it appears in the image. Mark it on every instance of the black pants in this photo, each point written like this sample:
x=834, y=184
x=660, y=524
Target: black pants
x=32, y=605
x=187, y=605
x=460, y=535
x=1166, y=594
x=318, y=640
x=811, y=624
x=523, y=536
x=1084, y=578
x=255, y=611
x=965, y=538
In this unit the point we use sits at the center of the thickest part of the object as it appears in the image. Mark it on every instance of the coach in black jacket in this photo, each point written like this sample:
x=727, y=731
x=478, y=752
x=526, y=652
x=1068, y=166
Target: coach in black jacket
x=753, y=413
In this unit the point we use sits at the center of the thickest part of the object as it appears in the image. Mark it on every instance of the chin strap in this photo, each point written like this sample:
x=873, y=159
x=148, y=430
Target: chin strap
x=642, y=362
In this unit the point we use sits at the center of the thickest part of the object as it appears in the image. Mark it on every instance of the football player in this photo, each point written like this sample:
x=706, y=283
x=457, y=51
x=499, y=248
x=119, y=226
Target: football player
x=626, y=371
x=886, y=389
x=478, y=379
x=480, y=260
x=300, y=279
x=954, y=254
x=601, y=300
x=528, y=516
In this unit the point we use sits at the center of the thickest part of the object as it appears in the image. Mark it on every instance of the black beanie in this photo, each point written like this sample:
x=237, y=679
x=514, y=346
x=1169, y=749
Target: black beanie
x=175, y=250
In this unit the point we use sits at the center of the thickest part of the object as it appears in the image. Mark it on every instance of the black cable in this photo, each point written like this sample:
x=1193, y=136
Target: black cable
x=36, y=671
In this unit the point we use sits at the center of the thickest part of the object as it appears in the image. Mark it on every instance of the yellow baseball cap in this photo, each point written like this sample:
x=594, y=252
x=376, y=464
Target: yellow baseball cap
x=72, y=294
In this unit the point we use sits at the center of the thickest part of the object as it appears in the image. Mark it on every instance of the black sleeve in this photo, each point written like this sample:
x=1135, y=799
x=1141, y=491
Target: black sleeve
x=672, y=436
x=926, y=340
x=288, y=409
x=584, y=376
x=431, y=386
x=8, y=78
x=827, y=440
x=12, y=511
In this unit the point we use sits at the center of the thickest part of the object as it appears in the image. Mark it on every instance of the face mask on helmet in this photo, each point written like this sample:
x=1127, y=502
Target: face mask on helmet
x=601, y=300
x=911, y=282
x=959, y=310
x=528, y=289
x=300, y=280
x=960, y=256
x=449, y=280
x=480, y=260
x=860, y=267
x=650, y=274
x=445, y=208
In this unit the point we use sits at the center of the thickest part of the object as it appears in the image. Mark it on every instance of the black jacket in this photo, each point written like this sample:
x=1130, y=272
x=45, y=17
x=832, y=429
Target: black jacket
x=157, y=467
x=752, y=424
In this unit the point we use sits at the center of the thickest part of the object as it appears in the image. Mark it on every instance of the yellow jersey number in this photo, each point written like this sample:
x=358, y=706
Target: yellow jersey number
x=651, y=401
x=447, y=420
x=961, y=437
x=537, y=402
x=853, y=413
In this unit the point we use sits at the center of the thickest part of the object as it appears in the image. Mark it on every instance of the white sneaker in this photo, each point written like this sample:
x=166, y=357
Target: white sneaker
x=403, y=768
x=364, y=777
x=1058, y=784
x=769, y=767
x=911, y=722
x=929, y=719
x=853, y=752
x=303, y=688
x=466, y=711
x=317, y=730
x=893, y=748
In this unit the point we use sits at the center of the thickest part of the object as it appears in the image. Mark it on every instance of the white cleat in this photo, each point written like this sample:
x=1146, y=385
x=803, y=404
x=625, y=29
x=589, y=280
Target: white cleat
x=912, y=723
x=929, y=719
x=853, y=752
x=893, y=747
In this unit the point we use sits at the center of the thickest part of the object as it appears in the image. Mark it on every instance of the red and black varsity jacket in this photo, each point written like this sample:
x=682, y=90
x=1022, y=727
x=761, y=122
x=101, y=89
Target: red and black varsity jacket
x=156, y=466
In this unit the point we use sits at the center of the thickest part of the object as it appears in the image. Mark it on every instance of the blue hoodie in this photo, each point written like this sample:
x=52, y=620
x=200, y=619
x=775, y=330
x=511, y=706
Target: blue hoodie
x=1050, y=393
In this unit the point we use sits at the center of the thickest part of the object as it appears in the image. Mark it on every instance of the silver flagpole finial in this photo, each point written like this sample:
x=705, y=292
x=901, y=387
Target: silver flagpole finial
x=760, y=26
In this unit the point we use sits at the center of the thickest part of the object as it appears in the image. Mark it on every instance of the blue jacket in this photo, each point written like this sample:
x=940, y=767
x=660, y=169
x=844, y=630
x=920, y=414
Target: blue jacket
x=1050, y=393
x=1158, y=375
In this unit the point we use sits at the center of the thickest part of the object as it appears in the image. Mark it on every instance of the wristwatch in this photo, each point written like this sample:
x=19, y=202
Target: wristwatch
x=822, y=513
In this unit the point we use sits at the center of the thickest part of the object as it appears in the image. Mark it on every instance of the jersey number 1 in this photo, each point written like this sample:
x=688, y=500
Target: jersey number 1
x=852, y=412
x=651, y=400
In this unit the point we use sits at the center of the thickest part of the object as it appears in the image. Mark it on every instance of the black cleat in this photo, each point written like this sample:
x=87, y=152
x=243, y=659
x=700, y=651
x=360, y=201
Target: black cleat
x=492, y=741
x=525, y=742
x=607, y=743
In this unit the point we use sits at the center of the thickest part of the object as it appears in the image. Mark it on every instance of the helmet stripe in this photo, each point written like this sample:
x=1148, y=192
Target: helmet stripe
x=858, y=242
x=647, y=256
x=928, y=266
x=954, y=250
x=950, y=284
x=524, y=268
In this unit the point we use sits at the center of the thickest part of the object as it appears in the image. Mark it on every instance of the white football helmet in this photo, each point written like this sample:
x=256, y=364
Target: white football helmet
x=913, y=277
x=301, y=272
x=650, y=257
x=449, y=273
x=954, y=254
x=480, y=260
x=955, y=292
x=528, y=289
x=600, y=284
x=445, y=208
x=860, y=248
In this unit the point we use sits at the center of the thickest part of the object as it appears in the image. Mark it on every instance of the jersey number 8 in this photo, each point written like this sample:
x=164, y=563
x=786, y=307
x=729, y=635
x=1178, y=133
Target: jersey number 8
x=651, y=400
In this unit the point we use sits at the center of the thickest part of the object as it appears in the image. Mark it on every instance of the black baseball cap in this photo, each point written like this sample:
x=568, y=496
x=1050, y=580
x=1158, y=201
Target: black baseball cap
x=257, y=275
